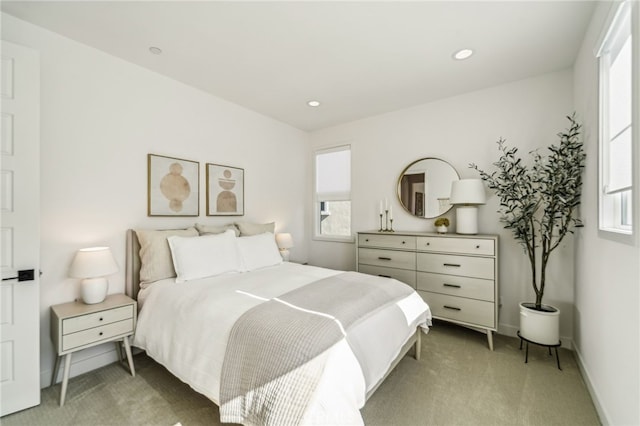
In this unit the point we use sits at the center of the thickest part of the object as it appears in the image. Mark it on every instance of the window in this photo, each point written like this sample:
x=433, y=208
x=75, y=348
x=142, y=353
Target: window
x=332, y=204
x=616, y=112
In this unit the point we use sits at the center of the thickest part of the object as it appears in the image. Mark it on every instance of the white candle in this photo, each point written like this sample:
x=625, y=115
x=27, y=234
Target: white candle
x=380, y=206
x=390, y=212
x=386, y=204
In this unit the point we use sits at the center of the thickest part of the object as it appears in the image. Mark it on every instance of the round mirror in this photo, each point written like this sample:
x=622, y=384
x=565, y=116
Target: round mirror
x=424, y=187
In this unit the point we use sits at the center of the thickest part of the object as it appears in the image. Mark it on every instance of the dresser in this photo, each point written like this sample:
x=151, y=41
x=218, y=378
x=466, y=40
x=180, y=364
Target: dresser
x=457, y=275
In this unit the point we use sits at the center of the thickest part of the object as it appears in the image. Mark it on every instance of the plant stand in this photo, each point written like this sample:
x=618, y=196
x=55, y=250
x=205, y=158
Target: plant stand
x=526, y=358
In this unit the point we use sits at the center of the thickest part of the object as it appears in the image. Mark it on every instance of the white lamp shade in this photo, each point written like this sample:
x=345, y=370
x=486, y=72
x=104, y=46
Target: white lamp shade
x=284, y=240
x=467, y=191
x=93, y=262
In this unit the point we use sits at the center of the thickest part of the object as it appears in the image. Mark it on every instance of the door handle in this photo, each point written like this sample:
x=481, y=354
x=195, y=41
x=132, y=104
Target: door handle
x=23, y=275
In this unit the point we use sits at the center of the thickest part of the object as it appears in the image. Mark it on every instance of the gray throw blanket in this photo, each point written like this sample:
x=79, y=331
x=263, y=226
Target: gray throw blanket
x=274, y=354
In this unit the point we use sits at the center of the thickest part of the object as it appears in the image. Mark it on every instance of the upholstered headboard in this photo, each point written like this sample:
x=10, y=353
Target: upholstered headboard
x=132, y=271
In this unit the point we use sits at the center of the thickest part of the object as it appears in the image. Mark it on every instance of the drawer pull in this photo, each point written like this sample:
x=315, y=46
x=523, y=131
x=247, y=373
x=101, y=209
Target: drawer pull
x=428, y=244
x=100, y=334
x=383, y=258
x=367, y=240
x=452, y=285
x=478, y=246
x=453, y=308
x=384, y=276
x=100, y=318
x=404, y=242
x=453, y=265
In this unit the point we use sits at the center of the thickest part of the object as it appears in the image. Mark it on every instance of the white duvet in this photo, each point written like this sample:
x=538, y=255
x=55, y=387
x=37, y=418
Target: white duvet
x=185, y=327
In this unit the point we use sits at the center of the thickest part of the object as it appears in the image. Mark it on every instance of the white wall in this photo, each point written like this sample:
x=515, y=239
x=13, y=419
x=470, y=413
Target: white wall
x=461, y=130
x=101, y=116
x=607, y=295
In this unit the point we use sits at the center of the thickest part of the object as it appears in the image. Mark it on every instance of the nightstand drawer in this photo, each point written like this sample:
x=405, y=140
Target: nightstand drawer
x=474, y=312
x=479, y=246
x=472, y=288
x=83, y=322
x=92, y=335
x=387, y=258
x=404, y=275
x=468, y=266
x=387, y=241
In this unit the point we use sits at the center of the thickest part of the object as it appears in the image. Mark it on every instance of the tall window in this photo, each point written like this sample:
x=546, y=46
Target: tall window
x=333, y=193
x=616, y=112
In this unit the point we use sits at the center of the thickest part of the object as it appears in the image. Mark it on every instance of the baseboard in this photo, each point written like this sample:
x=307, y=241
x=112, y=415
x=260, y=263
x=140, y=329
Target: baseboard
x=80, y=365
x=510, y=330
x=602, y=413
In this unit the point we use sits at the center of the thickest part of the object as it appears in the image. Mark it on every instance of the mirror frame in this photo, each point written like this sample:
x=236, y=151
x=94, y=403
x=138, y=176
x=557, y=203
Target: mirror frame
x=399, y=183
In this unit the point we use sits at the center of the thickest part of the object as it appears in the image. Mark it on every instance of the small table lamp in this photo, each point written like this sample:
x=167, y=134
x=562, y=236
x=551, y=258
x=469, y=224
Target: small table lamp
x=93, y=265
x=285, y=242
x=467, y=194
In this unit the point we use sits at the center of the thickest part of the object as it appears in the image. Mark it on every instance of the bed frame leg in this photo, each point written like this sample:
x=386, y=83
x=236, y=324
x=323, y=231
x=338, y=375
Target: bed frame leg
x=418, y=344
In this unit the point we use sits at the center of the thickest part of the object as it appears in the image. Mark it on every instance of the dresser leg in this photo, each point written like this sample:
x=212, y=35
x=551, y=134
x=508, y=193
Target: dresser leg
x=490, y=339
x=418, y=344
x=56, y=368
x=127, y=349
x=65, y=378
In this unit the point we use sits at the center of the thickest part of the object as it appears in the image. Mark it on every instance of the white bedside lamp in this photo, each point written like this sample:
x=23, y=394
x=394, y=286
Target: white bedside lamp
x=467, y=194
x=285, y=242
x=93, y=265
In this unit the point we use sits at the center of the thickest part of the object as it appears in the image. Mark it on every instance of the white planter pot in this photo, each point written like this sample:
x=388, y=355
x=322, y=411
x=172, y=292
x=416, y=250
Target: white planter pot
x=442, y=229
x=541, y=327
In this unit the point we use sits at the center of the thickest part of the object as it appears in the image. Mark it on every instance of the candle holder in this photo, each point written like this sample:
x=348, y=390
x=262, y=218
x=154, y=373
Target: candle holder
x=391, y=227
x=380, y=230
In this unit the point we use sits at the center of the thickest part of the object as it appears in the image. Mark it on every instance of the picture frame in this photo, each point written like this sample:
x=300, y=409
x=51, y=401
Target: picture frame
x=173, y=186
x=225, y=190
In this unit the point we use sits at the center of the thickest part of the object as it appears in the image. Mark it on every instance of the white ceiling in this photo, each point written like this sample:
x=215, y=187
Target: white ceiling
x=358, y=58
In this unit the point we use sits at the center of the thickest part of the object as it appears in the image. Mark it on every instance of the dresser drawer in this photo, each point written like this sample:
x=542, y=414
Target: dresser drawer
x=96, y=334
x=468, y=266
x=472, y=288
x=479, y=246
x=387, y=258
x=404, y=275
x=83, y=322
x=387, y=241
x=460, y=309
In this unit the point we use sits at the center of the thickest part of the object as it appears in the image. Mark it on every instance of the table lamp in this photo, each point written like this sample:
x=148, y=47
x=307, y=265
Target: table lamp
x=93, y=265
x=285, y=242
x=466, y=195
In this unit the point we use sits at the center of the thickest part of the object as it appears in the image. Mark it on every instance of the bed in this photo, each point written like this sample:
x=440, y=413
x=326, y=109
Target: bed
x=268, y=342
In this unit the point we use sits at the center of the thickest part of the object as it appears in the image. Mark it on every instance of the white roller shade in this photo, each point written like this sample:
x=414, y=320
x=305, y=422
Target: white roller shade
x=333, y=174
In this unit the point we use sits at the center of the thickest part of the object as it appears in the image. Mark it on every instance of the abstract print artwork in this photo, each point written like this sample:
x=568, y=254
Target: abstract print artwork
x=225, y=190
x=172, y=186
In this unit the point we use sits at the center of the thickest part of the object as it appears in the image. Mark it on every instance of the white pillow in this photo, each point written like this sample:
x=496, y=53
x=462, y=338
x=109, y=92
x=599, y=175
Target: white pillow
x=258, y=251
x=205, y=256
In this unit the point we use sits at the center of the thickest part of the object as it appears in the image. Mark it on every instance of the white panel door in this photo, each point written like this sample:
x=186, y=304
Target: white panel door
x=19, y=230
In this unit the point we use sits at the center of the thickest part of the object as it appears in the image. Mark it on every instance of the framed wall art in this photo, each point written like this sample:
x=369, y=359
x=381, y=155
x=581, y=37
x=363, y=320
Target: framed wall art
x=225, y=190
x=173, y=186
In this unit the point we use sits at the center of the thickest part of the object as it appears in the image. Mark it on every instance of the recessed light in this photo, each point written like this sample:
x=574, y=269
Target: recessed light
x=155, y=50
x=462, y=54
x=313, y=103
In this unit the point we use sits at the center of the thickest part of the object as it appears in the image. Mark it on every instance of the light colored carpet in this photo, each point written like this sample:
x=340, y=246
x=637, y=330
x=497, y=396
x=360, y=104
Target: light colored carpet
x=457, y=382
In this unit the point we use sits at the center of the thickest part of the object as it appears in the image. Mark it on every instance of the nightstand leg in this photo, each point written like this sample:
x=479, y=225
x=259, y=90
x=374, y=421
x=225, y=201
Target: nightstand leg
x=118, y=351
x=56, y=368
x=65, y=378
x=490, y=339
x=127, y=349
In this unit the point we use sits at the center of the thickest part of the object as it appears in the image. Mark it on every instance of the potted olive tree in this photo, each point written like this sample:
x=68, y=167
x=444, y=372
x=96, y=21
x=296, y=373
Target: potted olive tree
x=538, y=204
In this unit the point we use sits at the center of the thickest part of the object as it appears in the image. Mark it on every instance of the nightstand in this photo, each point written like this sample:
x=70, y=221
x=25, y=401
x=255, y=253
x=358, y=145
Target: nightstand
x=76, y=326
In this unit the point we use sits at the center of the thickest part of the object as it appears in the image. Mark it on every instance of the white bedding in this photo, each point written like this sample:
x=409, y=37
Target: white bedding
x=185, y=327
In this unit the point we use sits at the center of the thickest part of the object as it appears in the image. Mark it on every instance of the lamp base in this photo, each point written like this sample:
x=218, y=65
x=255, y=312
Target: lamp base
x=466, y=220
x=285, y=254
x=94, y=290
